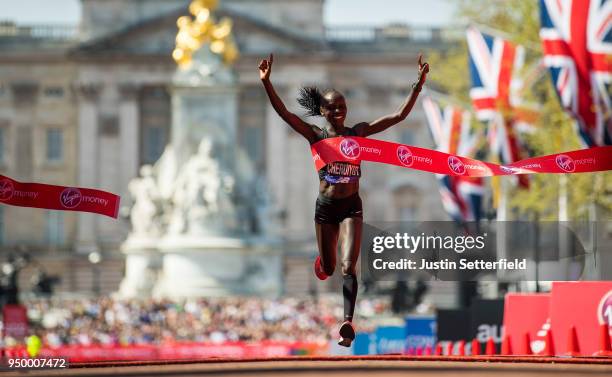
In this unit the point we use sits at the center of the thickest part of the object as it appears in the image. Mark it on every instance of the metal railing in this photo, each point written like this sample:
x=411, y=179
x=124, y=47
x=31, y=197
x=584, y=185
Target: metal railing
x=356, y=33
x=350, y=33
x=39, y=31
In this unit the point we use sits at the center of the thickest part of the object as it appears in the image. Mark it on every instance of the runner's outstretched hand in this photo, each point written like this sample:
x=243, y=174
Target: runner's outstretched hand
x=265, y=68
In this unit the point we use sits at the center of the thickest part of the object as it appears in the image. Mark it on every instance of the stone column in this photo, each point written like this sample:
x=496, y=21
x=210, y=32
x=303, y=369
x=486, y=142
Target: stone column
x=88, y=170
x=129, y=118
x=276, y=150
x=25, y=97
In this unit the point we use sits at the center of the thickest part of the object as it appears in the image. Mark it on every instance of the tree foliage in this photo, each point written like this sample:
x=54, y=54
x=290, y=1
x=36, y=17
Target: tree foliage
x=518, y=21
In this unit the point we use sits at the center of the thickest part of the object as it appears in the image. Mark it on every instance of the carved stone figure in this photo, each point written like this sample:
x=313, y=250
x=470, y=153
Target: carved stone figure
x=203, y=196
x=145, y=213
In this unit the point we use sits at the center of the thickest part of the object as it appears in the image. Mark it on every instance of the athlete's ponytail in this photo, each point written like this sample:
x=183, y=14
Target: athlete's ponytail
x=311, y=99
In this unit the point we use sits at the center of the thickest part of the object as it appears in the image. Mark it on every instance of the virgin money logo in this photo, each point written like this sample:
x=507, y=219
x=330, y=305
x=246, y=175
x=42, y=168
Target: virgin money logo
x=509, y=169
x=404, y=155
x=565, y=163
x=456, y=165
x=350, y=148
x=604, y=309
x=71, y=197
x=6, y=189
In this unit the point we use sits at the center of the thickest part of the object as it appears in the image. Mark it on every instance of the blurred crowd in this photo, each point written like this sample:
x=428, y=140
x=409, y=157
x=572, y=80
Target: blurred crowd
x=109, y=321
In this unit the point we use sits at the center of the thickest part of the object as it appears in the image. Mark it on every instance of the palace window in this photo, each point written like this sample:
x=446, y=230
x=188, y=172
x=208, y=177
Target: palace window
x=54, y=91
x=155, y=141
x=155, y=119
x=54, y=145
x=54, y=230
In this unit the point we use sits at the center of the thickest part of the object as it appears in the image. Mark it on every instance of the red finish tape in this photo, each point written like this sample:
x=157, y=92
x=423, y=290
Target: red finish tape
x=357, y=149
x=39, y=195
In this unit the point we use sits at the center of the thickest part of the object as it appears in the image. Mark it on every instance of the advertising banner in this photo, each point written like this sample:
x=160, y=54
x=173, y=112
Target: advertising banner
x=15, y=321
x=525, y=313
x=390, y=339
x=584, y=305
x=420, y=332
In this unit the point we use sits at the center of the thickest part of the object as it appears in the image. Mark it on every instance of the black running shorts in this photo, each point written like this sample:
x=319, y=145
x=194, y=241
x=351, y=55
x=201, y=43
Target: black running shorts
x=333, y=211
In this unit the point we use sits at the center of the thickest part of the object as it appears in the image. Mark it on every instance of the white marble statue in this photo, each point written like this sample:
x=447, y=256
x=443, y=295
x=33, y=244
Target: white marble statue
x=145, y=212
x=165, y=170
x=203, y=196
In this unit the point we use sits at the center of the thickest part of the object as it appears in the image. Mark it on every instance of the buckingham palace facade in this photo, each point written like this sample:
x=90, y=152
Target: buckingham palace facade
x=88, y=105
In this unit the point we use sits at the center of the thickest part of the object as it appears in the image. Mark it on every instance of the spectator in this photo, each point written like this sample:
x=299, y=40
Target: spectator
x=110, y=321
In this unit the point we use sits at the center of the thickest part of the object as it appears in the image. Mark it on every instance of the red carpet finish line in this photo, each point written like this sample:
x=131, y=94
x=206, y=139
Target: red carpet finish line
x=383, y=365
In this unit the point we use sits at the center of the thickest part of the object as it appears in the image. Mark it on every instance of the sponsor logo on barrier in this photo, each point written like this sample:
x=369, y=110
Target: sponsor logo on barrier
x=94, y=200
x=474, y=167
x=350, y=148
x=531, y=166
x=565, y=163
x=510, y=169
x=6, y=189
x=71, y=197
x=407, y=158
x=371, y=150
x=604, y=309
x=456, y=165
x=404, y=155
x=585, y=161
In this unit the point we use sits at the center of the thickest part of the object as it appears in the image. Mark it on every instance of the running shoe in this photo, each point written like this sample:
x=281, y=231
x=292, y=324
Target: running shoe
x=347, y=334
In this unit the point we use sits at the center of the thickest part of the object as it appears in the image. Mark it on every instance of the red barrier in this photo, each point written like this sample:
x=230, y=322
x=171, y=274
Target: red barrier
x=549, y=349
x=461, y=348
x=506, y=346
x=475, y=347
x=525, y=314
x=527, y=344
x=585, y=305
x=15, y=321
x=573, y=348
x=490, y=347
x=605, y=348
x=178, y=351
x=438, y=349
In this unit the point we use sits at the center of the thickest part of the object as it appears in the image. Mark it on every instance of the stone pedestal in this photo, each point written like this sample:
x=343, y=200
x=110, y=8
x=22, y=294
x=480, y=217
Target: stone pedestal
x=142, y=265
x=215, y=267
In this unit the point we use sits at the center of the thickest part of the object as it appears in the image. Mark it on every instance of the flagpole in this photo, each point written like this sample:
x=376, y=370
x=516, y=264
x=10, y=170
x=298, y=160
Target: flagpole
x=562, y=226
x=594, y=225
x=562, y=202
x=502, y=217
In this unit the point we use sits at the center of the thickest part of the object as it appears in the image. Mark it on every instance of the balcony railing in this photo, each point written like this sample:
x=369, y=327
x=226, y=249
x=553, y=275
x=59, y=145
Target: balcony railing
x=356, y=33
x=39, y=31
x=350, y=33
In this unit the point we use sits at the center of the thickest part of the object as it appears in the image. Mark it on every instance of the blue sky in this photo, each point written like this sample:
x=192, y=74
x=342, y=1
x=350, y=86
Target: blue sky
x=337, y=12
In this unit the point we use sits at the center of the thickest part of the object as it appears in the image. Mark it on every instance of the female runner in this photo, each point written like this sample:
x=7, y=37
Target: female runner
x=338, y=207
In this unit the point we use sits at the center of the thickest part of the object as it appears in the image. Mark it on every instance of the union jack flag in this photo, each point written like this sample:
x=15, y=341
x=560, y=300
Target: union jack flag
x=450, y=129
x=577, y=44
x=494, y=65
